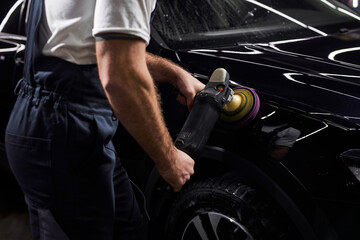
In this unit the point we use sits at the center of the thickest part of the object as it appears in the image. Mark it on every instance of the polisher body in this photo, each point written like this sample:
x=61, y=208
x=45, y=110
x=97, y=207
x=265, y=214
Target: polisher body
x=208, y=105
x=217, y=98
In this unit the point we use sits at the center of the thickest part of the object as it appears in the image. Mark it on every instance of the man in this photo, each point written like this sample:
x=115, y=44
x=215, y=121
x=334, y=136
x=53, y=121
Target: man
x=58, y=139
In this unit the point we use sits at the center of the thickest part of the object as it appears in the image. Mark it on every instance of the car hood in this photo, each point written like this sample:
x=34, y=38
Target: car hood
x=318, y=75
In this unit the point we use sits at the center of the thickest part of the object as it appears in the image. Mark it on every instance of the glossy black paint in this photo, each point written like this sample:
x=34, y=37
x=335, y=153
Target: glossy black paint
x=320, y=84
x=311, y=84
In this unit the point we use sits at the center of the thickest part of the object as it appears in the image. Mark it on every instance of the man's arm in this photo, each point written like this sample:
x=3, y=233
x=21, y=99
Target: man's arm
x=130, y=89
x=163, y=70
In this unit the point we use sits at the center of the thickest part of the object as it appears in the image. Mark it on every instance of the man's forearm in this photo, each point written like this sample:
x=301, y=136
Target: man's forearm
x=132, y=94
x=163, y=70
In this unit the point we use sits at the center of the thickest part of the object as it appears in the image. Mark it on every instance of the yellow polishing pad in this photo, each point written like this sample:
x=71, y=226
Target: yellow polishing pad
x=239, y=107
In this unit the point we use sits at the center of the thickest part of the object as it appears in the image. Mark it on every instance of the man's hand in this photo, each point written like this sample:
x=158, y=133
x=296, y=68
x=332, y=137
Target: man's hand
x=188, y=87
x=179, y=170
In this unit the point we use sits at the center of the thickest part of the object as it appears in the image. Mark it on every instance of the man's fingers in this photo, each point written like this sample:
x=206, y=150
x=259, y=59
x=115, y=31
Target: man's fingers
x=180, y=170
x=178, y=187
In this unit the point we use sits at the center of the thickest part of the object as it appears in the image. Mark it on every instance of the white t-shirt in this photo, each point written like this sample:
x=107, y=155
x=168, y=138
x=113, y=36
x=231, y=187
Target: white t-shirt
x=68, y=27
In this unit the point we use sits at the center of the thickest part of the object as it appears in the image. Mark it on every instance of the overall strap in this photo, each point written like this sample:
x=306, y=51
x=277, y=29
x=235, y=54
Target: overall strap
x=32, y=50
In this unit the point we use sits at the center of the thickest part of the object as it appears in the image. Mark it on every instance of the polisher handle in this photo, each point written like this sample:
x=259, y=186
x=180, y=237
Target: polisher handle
x=208, y=105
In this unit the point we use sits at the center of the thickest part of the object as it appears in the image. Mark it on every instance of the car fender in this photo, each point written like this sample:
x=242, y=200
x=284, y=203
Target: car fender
x=249, y=172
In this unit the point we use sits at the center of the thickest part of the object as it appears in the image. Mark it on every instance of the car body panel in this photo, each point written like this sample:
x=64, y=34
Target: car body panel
x=323, y=85
x=310, y=83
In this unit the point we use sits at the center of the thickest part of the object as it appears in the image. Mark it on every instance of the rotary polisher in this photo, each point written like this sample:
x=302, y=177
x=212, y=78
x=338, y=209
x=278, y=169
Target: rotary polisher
x=236, y=109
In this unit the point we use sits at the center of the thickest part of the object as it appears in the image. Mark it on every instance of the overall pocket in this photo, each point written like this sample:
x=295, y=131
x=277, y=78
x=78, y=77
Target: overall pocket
x=30, y=162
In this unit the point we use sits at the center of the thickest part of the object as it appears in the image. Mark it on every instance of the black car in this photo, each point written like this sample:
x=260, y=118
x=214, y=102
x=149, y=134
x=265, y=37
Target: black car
x=355, y=4
x=294, y=171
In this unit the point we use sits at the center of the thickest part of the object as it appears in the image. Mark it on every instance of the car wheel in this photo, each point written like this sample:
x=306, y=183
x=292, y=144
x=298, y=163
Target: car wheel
x=226, y=209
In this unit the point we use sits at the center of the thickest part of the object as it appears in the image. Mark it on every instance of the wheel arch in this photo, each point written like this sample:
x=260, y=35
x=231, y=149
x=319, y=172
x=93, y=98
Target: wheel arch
x=251, y=173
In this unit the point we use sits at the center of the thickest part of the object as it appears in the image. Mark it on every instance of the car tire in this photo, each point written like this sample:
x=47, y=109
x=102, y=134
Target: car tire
x=226, y=209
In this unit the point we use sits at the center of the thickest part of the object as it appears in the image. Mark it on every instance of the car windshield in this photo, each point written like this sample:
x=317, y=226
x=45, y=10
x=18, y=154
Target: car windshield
x=205, y=23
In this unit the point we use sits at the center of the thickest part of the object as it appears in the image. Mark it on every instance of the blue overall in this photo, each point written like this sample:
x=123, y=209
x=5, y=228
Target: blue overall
x=59, y=146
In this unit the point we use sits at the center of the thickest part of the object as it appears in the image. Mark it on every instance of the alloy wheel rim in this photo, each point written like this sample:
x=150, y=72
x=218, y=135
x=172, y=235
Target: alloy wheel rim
x=213, y=225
